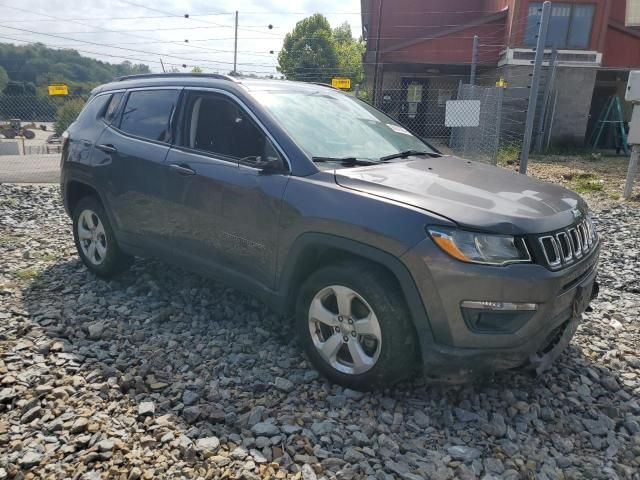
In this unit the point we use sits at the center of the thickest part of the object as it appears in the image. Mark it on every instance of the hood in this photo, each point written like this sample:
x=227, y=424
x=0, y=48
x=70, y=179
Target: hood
x=472, y=194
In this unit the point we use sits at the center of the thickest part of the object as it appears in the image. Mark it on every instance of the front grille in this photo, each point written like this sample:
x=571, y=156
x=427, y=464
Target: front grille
x=568, y=245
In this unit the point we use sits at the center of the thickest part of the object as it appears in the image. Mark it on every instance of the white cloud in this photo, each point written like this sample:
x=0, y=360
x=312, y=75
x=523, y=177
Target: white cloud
x=108, y=24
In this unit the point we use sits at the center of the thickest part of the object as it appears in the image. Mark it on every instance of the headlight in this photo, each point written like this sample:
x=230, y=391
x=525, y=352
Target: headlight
x=482, y=248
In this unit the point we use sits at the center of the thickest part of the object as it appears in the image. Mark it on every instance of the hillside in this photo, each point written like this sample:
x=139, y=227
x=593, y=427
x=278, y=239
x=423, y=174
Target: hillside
x=35, y=66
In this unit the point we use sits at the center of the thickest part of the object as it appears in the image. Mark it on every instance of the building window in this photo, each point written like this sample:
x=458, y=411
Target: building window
x=569, y=26
x=632, y=18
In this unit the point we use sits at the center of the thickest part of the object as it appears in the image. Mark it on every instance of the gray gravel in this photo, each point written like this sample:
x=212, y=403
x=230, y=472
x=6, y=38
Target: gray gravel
x=163, y=374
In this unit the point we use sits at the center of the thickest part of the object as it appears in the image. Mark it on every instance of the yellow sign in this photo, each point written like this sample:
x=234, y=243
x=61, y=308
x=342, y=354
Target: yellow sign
x=58, y=89
x=501, y=83
x=341, y=82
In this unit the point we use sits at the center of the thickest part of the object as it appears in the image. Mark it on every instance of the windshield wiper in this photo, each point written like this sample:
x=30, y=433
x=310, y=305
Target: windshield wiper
x=407, y=153
x=343, y=160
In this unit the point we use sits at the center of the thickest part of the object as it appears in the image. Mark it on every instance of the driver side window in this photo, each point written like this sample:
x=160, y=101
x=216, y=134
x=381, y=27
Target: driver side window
x=217, y=125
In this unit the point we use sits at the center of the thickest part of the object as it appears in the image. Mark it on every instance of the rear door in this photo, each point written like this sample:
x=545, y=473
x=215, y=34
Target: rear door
x=85, y=131
x=224, y=211
x=133, y=150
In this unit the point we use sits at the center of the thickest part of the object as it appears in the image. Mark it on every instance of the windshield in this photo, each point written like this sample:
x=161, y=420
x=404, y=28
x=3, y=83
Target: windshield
x=331, y=124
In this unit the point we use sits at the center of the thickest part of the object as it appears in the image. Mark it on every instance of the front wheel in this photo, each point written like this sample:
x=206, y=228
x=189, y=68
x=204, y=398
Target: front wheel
x=355, y=326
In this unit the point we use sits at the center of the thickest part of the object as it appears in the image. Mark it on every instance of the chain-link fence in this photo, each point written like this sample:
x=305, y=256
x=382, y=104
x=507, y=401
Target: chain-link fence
x=482, y=123
x=30, y=127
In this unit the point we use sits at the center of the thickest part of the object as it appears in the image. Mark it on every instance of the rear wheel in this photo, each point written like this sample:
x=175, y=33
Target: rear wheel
x=355, y=326
x=95, y=241
x=8, y=133
x=28, y=134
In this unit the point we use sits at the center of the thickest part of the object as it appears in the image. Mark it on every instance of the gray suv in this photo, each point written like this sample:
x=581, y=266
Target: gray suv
x=391, y=256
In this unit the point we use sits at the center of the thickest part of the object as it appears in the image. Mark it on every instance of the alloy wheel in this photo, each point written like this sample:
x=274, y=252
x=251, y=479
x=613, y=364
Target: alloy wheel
x=345, y=330
x=93, y=239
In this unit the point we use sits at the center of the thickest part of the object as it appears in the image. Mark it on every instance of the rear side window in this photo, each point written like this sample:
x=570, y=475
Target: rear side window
x=112, y=109
x=147, y=114
x=92, y=111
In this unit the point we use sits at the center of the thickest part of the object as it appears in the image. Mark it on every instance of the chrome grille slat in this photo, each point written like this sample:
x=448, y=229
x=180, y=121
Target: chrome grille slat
x=563, y=239
x=569, y=245
x=575, y=240
x=556, y=254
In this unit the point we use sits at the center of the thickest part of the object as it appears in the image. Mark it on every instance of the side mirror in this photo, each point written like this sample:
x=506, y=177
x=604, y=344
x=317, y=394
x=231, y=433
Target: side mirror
x=270, y=165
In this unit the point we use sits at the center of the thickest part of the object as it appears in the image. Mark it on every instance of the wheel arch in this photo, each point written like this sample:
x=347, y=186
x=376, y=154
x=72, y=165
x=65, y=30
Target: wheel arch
x=312, y=250
x=76, y=190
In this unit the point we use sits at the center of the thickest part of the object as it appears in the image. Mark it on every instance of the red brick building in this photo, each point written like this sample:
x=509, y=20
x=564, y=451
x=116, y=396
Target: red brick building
x=429, y=42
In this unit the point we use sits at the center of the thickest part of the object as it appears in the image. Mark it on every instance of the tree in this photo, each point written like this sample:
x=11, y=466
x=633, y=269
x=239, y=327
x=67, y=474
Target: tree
x=67, y=114
x=342, y=33
x=309, y=52
x=4, y=79
x=196, y=69
x=38, y=65
x=350, y=52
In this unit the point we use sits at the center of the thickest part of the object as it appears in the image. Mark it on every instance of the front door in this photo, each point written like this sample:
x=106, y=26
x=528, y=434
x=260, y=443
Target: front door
x=224, y=211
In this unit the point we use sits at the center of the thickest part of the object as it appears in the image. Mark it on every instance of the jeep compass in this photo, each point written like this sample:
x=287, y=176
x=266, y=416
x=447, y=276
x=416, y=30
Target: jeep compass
x=391, y=256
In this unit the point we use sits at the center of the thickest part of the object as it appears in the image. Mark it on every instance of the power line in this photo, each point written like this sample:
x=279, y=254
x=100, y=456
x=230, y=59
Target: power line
x=135, y=59
x=187, y=16
x=126, y=49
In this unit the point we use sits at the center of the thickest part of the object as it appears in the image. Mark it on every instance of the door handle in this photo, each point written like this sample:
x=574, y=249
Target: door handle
x=107, y=148
x=182, y=169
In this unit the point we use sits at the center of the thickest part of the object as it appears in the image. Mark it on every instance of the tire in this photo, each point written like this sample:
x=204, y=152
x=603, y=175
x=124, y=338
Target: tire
x=325, y=328
x=8, y=133
x=28, y=134
x=95, y=241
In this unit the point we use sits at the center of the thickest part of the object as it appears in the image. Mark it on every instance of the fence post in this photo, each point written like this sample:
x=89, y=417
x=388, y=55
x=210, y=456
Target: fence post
x=535, y=84
x=496, y=149
x=474, y=60
x=633, y=168
x=551, y=78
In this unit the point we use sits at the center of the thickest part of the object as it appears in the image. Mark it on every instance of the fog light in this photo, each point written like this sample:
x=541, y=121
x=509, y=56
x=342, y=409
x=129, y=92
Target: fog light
x=496, y=317
x=499, y=306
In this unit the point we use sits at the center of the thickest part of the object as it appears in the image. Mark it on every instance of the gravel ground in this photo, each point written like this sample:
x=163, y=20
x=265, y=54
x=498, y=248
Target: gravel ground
x=163, y=374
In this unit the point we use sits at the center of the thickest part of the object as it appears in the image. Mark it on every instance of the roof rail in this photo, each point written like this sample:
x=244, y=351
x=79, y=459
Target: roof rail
x=176, y=74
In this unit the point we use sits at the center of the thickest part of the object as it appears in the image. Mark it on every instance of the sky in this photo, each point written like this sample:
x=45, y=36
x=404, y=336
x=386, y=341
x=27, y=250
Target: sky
x=142, y=31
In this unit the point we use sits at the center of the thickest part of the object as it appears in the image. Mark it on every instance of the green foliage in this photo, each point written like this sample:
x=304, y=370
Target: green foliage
x=196, y=69
x=342, y=33
x=587, y=182
x=508, y=155
x=308, y=52
x=350, y=54
x=315, y=53
x=4, y=79
x=40, y=66
x=67, y=114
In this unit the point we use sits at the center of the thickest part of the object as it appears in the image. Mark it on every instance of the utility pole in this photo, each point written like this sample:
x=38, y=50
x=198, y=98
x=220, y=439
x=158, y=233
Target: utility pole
x=535, y=85
x=162, y=65
x=474, y=60
x=375, y=72
x=235, y=47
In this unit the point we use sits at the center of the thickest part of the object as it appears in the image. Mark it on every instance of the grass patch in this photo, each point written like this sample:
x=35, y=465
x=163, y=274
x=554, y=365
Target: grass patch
x=587, y=182
x=9, y=201
x=508, y=155
x=6, y=239
x=30, y=273
x=47, y=257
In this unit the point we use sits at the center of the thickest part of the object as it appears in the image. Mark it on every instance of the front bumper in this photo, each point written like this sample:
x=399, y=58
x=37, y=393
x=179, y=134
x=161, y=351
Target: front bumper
x=451, y=350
